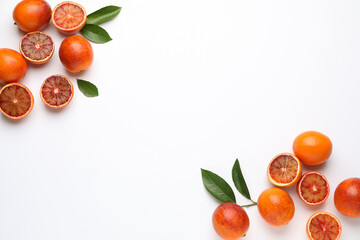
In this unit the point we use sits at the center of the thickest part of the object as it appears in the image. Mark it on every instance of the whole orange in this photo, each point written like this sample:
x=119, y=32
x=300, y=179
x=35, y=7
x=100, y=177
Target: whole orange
x=76, y=53
x=230, y=221
x=13, y=66
x=312, y=148
x=32, y=15
x=276, y=206
x=347, y=197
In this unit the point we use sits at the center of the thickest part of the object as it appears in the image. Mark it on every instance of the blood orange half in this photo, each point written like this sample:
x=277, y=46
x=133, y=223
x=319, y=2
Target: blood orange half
x=37, y=47
x=313, y=188
x=69, y=17
x=323, y=226
x=284, y=170
x=57, y=91
x=16, y=101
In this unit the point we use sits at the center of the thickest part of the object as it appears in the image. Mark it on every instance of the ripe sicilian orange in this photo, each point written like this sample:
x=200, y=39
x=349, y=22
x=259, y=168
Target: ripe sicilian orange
x=312, y=148
x=76, y=53
x=37, y=47
x=347, y=197
x=16, y=101
x=32, y=15
x=13, y=66
x=69, y=17
x=313, y=188
x=56, y=91
x=284, y=170
x=323, y=226
x=230, y=221
x=276, y=206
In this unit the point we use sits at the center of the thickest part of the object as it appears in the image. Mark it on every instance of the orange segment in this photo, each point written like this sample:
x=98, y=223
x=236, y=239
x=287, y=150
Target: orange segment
x=37, y=47
x=313, y=188
x=69, y=17
x=284, y=170
x=16, y=101
x=323, y=226
x=57, y=91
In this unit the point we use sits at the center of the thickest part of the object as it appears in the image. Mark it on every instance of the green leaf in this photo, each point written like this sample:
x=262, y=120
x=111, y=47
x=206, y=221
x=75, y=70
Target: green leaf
x=239, y=180
x=87, y=88
x=217, y=187
x=95, y=33
x=103, y=14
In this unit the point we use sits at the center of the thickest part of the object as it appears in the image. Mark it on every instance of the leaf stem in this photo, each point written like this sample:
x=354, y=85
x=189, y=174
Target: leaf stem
x=249, y=205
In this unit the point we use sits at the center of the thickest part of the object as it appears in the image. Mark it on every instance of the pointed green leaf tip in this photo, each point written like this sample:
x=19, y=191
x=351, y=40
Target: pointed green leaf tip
x=217, y=187
x=103, y=14
x=95, y=33
x=239, y=180
x=87, y=88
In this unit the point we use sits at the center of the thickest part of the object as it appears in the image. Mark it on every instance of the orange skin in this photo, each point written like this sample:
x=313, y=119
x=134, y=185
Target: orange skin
x=347, y=197
x=13, y=66
x=312, y=148
x=276, y=206
x=32, y=15
x=76, y=53
x=230, y=221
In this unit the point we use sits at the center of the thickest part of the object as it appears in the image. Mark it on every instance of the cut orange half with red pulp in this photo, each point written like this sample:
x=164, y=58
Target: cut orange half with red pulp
x=69, y=17
x=37, y=47
x=16, y=101
x=313, y=188
x=323, y=226
x=56, y=91
x=284, y=170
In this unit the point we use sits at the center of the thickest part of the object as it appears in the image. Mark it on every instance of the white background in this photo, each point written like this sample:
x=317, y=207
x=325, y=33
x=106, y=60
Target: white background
x=183, y=85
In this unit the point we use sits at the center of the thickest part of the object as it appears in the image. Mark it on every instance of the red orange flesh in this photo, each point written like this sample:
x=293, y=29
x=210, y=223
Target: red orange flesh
x=284, y=170
x=16, y=101
x=313, y=188
x=69, y=17
x=323, y=226
x=37, y=47
x=57, y=91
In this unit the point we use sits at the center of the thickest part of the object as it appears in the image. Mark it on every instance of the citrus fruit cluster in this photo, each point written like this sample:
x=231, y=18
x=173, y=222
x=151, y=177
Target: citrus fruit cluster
x=36, y=47
x=275, y=205
x=284, y=170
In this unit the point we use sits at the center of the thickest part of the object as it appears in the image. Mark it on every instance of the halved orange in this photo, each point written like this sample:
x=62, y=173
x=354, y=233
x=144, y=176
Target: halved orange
x=313, y=188
x=56, y=91
x=37, y=47
x=69, y=17
x=284, y=170
x=323, y=226
x=16, y=101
